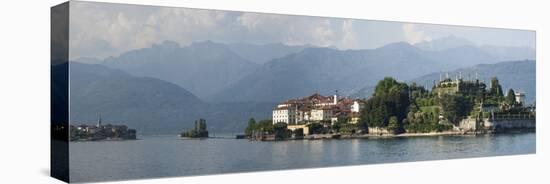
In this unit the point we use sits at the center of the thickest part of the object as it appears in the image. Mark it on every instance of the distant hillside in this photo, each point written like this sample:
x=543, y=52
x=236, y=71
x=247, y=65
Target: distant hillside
x=519, y=75
x=261, y=54
x=203, y=68
x=327, y=70
x=510, y=53
x=150, y=105
x=488, y=52
x=444, y=43
x=242, y=72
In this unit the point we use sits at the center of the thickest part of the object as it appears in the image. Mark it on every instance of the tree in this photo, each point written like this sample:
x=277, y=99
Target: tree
x=315, y=128
x=511, y=98
x=391, y=98
x=389, y=85
x=496, y=89
x=280, y=130
x=251, y=127
x=342, y=121
x=265, y=126
x=394, y=126
x=455, y=107
x=200, y=130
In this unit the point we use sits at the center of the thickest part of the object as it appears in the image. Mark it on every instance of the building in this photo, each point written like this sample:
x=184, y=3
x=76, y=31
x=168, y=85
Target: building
x=100, y=131
x=520, y=97
x=285, y=114
x=465, y=87
x=321, y=114
x=316, y=108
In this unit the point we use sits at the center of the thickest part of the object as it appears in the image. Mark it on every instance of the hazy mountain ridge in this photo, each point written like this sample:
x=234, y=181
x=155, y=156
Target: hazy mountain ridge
x=150, y=105
x=213, y=81
x=444, y=43
x=213, y=71
x=493, y=52
x=261, y=54
x=326, y=70
x=203, y=67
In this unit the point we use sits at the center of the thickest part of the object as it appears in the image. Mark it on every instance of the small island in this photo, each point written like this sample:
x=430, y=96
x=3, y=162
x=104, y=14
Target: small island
x=100, y=132
x=200, y=130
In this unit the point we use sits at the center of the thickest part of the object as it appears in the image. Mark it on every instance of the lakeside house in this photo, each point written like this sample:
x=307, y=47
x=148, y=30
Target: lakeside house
x=316, y=108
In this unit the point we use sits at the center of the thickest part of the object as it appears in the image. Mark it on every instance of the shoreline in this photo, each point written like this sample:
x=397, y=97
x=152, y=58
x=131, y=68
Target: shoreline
x=386, y=136
x=103, y=140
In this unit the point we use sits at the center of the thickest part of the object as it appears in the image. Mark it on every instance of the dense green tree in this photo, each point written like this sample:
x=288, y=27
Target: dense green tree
x=199, y=131
x=348, y=128
x=394, y=126
x=280, y=130
x=389, y=86
x=455, y=107
x=315, y=128
x=511, y=98
x=391, y=98
x=496, y=89
x=265, y=126
x=251, y=127
x=342, y=121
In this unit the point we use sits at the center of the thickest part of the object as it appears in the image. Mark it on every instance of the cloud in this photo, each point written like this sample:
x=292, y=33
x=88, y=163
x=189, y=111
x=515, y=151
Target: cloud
x=104, y=29
x=349, y=37
x=299, y=30
x=412, y=35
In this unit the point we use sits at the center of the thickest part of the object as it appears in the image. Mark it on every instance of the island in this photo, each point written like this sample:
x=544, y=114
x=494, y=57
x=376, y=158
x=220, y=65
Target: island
x=100, y=132
x=396, y=109
x=200, y=130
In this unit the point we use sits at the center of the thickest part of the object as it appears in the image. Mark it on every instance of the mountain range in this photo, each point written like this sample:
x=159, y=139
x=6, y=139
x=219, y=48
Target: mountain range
x=148, y=104
x=165, y=87
x=326, y=70
x=203, y=68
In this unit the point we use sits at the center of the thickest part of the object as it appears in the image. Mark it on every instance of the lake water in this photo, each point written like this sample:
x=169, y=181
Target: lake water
x=168, y=156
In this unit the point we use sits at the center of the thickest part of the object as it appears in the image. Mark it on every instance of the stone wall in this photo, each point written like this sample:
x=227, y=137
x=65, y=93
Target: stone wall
x=510, y=123
x=376, y=130
x=471, y=124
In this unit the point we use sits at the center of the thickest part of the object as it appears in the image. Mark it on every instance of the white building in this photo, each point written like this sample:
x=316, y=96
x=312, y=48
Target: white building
x=520, y=97
x=322, y=114
x=355, y=107
x=284, y=115
x=316, y=108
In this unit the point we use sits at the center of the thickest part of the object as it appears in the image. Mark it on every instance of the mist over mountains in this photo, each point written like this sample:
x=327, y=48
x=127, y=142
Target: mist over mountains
x=203, y=68
x=150, y=105
x=261, y=54
x=457, y=47
x=165, y=87
x=326, y=70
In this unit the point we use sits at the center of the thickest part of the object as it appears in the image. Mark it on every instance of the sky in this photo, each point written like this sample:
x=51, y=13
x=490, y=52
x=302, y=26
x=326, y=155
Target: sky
x=100, y=30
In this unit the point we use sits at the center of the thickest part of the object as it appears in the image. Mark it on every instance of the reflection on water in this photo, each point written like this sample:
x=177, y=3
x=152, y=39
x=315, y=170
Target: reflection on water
x=159, y=156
